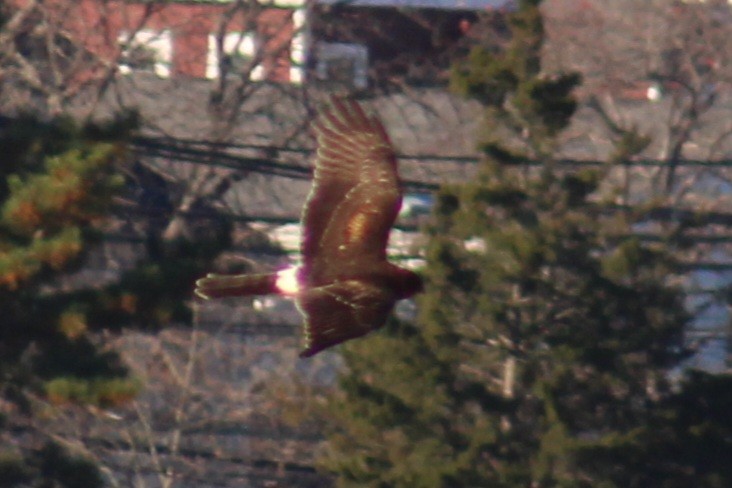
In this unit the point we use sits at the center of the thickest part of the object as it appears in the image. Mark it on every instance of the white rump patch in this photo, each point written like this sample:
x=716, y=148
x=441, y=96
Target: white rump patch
x=287, y=283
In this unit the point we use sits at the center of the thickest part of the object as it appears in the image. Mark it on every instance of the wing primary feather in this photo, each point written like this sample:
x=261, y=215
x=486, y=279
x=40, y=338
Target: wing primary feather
x=352, y=114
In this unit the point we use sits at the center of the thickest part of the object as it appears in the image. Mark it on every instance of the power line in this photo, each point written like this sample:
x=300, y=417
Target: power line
x=124, y=210
x=658, y=214
x=219, y=148
x=685, y=266
x=216, y=158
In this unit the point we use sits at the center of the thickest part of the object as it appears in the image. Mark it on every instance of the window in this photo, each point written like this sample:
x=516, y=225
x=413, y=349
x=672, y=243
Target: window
x=147, y=50
x=342, y=63
x=238, y=51
x=299, y=46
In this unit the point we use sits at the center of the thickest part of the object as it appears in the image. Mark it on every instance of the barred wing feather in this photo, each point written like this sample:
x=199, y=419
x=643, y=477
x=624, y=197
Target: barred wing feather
x=355, y=196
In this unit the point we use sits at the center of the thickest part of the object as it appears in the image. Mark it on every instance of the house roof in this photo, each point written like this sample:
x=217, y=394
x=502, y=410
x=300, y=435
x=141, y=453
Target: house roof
x=436, y=4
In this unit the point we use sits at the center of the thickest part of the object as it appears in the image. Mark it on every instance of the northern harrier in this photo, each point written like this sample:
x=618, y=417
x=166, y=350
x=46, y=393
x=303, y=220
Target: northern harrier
x=345, y=287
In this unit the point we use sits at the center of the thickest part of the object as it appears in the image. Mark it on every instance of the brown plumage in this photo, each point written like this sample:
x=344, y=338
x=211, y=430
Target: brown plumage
x=345, y=287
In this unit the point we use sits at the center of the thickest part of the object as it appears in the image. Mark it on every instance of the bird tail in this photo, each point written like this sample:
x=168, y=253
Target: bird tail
x=219, y=286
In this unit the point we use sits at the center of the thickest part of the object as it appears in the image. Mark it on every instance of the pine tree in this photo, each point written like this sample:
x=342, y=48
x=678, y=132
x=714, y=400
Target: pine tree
x=688, y=441
x=57, y=187
x=540, y=353
x=58, y=181
x=48, y=466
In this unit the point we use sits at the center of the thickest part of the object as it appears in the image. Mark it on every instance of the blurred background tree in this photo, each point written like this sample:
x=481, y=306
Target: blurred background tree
x=544, y=343
x=60, y=184
x=469, y=415
x=59, y=180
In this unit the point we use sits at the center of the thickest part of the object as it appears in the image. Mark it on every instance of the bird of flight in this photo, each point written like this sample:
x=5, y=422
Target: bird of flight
x=345, y=287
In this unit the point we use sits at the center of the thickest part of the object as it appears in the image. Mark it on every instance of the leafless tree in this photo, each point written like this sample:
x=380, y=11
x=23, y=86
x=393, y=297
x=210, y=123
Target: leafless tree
x=50, y=54
x=657, y=76
x=223, y=404
x=253, y=44
x=661, y=68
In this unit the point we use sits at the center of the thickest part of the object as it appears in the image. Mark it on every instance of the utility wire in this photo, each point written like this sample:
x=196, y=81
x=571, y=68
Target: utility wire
x=220, y=148
x=215, y=158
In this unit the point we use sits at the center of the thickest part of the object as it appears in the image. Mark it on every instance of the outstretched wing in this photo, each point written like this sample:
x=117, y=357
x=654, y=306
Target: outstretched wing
x=355, y=196
x=341, y=311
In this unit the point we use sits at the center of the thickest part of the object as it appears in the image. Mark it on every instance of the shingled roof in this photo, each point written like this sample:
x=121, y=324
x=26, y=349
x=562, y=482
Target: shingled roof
x=436, y=4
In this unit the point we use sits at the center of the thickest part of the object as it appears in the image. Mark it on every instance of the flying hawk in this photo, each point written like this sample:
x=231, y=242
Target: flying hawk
x=345, y=287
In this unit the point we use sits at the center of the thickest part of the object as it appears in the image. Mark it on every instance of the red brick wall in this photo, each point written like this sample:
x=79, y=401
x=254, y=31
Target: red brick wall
x=97, y=24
